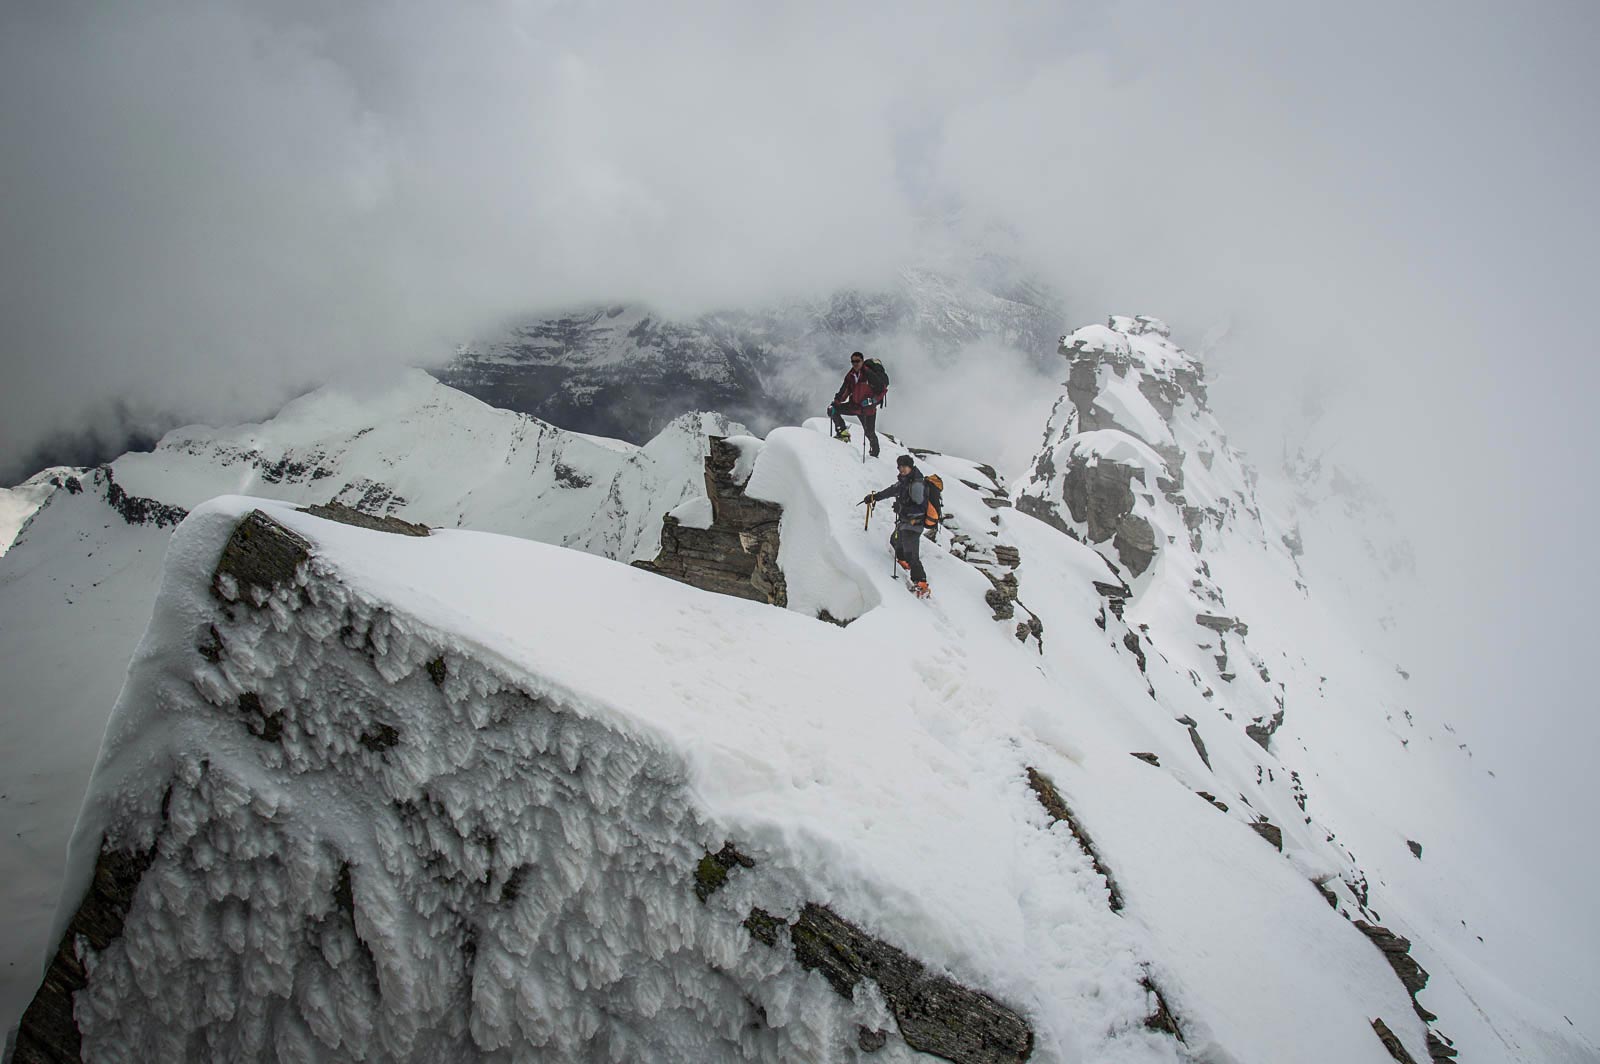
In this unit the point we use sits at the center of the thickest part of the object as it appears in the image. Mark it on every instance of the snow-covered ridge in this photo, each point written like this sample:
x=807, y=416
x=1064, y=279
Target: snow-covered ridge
x=461, y=695
x=77, y=586
x=955, y=783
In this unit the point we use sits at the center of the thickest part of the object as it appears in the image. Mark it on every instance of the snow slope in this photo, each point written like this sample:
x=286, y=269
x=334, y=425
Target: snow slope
x=1286, y=614
x=502, y=861
x=76, y=590
x=21, y=502
x=896, y=794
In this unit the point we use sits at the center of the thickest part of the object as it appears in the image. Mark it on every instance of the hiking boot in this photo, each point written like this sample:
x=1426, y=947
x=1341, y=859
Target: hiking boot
x=845, y=435
x=922, y=589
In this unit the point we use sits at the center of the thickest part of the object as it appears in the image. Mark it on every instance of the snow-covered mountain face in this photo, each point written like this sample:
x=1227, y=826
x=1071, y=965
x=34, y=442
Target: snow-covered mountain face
x=623, y=370
x=359, y=787
x=467, y=797
x=21, y=502
x=76, y=586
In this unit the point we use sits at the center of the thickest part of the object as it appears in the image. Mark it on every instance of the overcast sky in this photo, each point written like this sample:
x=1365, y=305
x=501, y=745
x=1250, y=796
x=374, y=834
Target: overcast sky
x=206, y=207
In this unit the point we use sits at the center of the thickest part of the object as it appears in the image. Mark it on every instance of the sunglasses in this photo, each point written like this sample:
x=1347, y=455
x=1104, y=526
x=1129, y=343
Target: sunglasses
x=853, y=360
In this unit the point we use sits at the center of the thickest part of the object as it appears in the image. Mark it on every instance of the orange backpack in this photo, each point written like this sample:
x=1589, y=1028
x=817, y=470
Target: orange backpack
x=935, y=495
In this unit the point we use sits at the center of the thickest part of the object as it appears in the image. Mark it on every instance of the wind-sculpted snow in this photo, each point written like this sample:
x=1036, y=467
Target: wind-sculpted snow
x=77, y=585
x=423, y=858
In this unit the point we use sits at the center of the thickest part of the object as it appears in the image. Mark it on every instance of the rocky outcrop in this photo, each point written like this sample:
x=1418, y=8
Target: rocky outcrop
x=48, y=1033
x=134, y=509
x=1391, y=1042
x=935, y=1014
x=260, y=555
x=1262, y=729
x=1045, y=791
x=738, y=554
x=347, y=515
x=1100, y=494
x=1397, y=951
x=1269, y=831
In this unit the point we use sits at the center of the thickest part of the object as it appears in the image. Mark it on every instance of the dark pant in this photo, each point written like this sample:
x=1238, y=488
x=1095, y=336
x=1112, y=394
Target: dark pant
x=869, y=421
x=907, y=542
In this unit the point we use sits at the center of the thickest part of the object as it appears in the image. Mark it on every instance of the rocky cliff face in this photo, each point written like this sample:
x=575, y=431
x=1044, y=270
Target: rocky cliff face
x=624, y=371
x=1128, y=429
x=736, y=551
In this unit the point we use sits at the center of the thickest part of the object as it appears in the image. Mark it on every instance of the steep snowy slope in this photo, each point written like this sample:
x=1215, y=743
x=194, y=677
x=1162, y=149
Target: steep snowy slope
x=21, y=502
x=620, y=370
x=1286, y=616
x=1135, y=785
x=76, y=590
x=492, y=833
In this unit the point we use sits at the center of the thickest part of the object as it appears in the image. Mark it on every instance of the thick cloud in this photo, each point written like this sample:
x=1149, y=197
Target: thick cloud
x=205, y=207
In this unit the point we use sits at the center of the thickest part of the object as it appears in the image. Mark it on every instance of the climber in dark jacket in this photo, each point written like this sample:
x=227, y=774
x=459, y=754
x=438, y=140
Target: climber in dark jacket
x=910, y=494
x=857, y=396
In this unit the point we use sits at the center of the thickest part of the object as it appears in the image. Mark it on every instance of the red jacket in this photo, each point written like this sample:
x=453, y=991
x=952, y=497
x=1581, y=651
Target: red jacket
x=856, y=392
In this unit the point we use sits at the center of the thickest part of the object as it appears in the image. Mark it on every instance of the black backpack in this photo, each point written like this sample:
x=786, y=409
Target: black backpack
x=877, y=376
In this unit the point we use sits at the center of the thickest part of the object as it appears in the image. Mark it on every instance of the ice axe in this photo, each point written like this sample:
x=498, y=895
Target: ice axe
x=868, y=525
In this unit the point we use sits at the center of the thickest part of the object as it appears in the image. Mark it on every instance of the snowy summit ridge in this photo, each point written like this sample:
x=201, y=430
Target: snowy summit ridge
x=1120, y=791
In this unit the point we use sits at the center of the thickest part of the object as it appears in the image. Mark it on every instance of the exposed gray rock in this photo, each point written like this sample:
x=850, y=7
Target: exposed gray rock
x=261, y=554
x=1147, y=757
x=1034, y=506
x=1416, y=848
x=935, y=1014
x=1397, y=951
x=1100, y=494
x=1262, y=728
x=1269, y=831
x=1441, y=1048
x=345, y=515
x=738, y=554
x=1135, y=543
x=1056, y=807
x=48, y=1033
x=1199, y=744
x=1161, y=1018
x=870, y=1040
x=764, y=927
x=1392, y=1043
x=1130, y=639
x=711, y=874
x=1002, y=595
x=134, y=509
x=1220, y=624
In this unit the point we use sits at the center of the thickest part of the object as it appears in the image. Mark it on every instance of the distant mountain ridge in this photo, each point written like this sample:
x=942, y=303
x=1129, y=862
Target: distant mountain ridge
x=621, y=370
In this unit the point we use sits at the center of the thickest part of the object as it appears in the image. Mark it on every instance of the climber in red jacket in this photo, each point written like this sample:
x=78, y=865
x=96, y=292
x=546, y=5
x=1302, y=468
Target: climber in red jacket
x=859, y=396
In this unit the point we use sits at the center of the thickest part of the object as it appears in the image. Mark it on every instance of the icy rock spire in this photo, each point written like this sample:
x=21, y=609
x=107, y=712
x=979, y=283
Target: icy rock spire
x=1128, y=433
